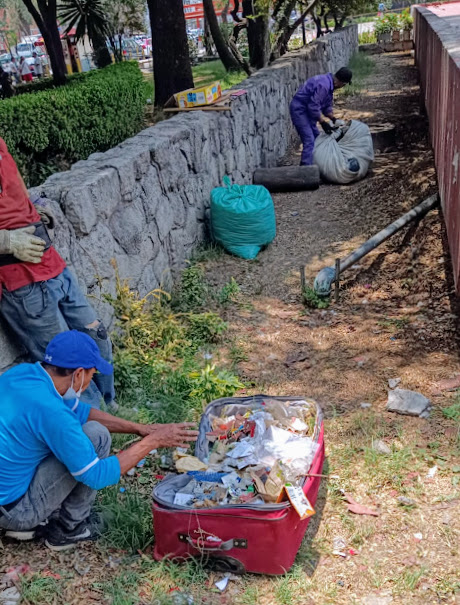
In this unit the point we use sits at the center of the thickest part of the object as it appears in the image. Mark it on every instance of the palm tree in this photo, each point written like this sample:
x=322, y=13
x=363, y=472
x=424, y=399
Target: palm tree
x=88, y=18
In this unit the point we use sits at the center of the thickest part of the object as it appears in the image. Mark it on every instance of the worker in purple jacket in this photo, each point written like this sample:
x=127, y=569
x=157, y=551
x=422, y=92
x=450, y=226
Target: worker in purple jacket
x=313, y=101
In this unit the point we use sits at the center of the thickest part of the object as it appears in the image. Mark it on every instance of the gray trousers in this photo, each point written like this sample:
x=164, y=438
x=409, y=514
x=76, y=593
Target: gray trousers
x=53, y=488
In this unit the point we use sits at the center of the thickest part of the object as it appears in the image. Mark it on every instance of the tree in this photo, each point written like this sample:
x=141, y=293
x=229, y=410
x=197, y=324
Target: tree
x=16, y=21
x=283, y=26
x=88, y=18
x=44, y=13
x=171, y=61
x=257, y=16
x=123, y=16
x=225, y=55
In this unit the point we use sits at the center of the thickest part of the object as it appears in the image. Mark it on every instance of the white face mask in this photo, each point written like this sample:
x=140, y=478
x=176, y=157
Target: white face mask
x=71, y=394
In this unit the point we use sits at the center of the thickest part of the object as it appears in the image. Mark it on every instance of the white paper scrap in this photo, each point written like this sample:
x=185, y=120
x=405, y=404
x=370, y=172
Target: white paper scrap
x=222, y=584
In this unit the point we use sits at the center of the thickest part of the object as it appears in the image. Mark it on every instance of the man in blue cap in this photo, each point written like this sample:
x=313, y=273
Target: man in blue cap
x=312, y=103
x=54, y=449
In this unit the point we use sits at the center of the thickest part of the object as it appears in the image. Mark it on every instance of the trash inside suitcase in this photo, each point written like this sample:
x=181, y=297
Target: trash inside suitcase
x=233, y=527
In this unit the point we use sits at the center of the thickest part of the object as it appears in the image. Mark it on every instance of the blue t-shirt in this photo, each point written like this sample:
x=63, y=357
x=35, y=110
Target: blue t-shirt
x=36, y=422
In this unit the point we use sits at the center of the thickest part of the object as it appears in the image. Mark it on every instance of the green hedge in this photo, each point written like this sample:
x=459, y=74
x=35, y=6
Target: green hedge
x=48, y=130
x=48, y=83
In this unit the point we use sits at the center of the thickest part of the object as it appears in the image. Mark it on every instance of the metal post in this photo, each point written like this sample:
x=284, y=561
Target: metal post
x=337, y=279
x=302, y=278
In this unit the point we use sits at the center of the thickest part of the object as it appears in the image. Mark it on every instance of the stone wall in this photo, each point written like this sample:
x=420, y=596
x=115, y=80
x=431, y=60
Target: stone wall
x=144, y=203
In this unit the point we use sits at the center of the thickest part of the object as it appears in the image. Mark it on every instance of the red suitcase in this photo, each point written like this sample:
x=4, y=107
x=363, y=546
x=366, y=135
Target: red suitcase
x=236, y=538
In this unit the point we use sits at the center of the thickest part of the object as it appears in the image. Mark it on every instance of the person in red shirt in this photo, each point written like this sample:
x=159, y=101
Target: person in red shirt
x=39, y=296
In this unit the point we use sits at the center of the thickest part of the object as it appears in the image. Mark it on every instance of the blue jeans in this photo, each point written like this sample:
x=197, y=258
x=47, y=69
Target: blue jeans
x=54, y=489
x=38, y=312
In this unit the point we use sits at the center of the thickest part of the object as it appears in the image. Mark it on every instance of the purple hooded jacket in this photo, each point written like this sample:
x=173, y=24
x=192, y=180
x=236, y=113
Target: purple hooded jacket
x=315, y=96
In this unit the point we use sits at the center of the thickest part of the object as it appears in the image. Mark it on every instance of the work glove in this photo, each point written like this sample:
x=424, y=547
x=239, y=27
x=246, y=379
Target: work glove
x=22, y=244
x=327, y=127
x=333, y=119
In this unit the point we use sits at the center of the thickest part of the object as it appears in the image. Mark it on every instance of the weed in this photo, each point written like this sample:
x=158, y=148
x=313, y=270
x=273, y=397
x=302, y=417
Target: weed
x=38, y=589
x=447, y=585
x=251, y=596
x=237, y=353
x=228, y=292
x=210, y=384
x=205, y=328
x=367, y=38
x=129, y=519
x=122, y=589
x=192, y=292
x=364, y=529
x=207, y=252
x=391, y=469
x=392, y=323
x=292, y=587
x=453, y=412
x=408, y=580
x=313, y=300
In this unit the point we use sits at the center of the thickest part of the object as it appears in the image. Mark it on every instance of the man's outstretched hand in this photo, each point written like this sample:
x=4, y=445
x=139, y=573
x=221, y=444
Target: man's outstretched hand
x=157, y=435
x=171, y=435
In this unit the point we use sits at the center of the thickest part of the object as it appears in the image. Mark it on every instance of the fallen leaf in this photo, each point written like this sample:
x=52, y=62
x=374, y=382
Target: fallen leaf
x=359, y=509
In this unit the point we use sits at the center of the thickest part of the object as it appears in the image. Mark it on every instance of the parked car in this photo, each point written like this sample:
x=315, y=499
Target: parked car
x=132, y=50
x=5, y=60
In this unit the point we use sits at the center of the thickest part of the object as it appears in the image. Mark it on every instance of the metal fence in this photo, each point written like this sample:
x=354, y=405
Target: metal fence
x=437, y=54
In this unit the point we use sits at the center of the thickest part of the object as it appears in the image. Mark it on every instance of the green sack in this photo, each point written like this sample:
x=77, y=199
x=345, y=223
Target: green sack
x=242, y=218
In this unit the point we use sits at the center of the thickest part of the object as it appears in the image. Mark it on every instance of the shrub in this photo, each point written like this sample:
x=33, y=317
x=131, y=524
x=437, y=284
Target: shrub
x=91, y=113
x=367, y=38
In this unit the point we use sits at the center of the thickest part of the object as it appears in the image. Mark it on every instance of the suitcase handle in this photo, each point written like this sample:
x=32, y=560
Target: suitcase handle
x=213, y=544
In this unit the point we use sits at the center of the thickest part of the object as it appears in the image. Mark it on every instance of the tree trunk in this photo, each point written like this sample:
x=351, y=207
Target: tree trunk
x=172, y=70
x=207, y=37
x=46, y=19
x=258, y=35
x=223, y=51
x=102, y=56
x=283, y=40
x=317, y=20
x=224, y=13
x=281, y=14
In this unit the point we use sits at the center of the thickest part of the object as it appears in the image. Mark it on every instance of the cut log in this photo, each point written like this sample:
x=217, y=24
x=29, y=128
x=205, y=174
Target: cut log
x=287, y=178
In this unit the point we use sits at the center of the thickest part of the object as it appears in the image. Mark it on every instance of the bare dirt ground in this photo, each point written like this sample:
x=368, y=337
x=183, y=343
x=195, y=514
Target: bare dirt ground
x=396, y=318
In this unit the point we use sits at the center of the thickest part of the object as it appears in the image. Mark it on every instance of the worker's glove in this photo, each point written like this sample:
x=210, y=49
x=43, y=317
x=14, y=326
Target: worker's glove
x=43, y=207
x=24, y=245
x=333, y=119
x=327, y=127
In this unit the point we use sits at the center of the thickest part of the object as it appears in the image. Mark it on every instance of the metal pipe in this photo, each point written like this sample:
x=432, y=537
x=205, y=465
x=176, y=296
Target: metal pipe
x=327, y=276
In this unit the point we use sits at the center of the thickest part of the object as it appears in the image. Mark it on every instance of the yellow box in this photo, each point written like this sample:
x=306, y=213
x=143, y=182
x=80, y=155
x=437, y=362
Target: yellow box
x=194, y=97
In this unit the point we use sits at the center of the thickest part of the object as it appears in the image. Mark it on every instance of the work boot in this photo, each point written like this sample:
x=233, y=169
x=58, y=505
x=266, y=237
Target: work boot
x=59, y=537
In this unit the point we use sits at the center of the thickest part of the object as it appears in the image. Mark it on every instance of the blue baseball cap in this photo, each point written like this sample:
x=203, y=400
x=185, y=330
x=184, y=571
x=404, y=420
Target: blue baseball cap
x=74, y=349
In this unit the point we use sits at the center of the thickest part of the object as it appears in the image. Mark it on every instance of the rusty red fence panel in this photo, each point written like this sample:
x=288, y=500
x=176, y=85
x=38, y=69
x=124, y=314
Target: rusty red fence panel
x=437, y=54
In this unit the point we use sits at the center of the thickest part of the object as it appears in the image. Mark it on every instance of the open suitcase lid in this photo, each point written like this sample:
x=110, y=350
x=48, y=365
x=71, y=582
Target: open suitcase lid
x=163, y=493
